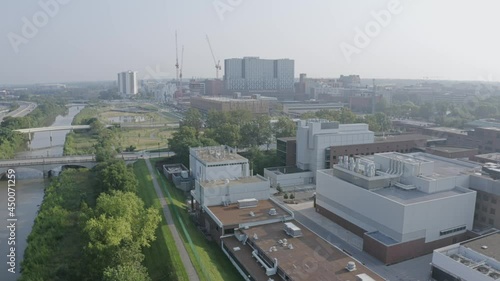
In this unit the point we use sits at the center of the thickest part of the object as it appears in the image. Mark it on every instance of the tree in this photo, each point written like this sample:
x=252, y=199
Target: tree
x=126, y=273
x=115, y=175
x=216, y=119
x=285, y=127
x=193, y=119
x=118, y=228
x=182, y=140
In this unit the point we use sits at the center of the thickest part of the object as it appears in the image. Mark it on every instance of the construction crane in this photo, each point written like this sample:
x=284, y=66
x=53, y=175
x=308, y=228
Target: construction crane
x=216, y=62
x=176, y=61
x=180, y=69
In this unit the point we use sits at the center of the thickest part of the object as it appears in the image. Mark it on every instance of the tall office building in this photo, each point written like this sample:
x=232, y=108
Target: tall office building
x=255, y=74
x=127, y=83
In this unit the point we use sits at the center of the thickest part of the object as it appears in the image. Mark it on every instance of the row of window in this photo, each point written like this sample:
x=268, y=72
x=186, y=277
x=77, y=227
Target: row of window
x=491, y=221
x=453, y=230
x=486, y=197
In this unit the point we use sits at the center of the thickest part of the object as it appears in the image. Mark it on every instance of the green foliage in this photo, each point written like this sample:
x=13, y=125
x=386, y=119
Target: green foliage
x=115, y=175
x=285, y=196
x=285, y=127
x=185, y=138
x=117, y=230
x=126, y=273
x=193, y=119
x=55, y=243
x=261, y=159
x=292, y=196
x=378, y=122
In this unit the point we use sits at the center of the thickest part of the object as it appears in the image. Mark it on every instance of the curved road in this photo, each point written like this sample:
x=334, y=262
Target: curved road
x=170, y=222
x=24, y=109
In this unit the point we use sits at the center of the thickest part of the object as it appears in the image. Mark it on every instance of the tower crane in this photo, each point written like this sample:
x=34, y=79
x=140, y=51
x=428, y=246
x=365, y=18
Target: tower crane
x=216, y=62
x=176, y=60
x=180, y=69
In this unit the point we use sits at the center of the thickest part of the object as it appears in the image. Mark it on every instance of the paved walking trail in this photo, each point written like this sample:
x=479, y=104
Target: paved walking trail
x=193, y=276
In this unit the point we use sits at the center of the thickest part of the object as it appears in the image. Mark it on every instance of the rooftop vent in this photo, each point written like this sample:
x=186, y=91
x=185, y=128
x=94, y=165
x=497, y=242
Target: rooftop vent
x=290, y=246
x=255, y=237
x=272, y=212
x=248, y=203
x=252, y=214
x=351, y=266
x=484, y=247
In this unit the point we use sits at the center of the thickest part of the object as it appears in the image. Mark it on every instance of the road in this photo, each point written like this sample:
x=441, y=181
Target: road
x=24, y=109
x=86, y=127
x=193, y=276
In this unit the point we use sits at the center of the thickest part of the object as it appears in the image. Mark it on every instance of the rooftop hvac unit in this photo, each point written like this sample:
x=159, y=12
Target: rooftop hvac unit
x=247, y=203
x=292, y=230
x=272, y=212
x=351, y=266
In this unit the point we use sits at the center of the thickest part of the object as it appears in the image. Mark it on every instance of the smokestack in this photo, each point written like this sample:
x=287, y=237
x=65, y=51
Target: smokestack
x=374, y=96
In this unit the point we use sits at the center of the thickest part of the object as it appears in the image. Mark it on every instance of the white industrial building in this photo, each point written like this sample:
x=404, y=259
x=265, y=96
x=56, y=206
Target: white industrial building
x=402, y=205
x=223, y=177
x=474, y=260
x=314, y=136
x=127, y=83
x=255, y=74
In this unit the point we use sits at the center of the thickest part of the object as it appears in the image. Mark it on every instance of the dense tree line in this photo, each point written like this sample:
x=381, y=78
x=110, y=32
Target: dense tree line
x=238, y=129
x=378, y=122
x=43, y=115
x=109, y=223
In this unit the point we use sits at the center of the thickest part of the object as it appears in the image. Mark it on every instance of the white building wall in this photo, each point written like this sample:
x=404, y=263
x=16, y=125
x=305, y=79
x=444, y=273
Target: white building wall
x=232, y=192
x=401, y=222
x=285, y=180
x=371, y=208
x=441, y=214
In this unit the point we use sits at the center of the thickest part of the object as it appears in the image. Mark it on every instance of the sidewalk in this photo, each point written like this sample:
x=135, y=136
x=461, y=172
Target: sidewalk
x=170, y=222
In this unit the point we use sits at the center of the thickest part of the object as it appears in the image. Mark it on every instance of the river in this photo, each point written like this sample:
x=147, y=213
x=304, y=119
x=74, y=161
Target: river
x=29, y=187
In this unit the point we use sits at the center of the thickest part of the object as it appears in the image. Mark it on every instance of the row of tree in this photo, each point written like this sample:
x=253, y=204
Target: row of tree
x=378, y=122
x=111, y=222
x=234, y=128
x=44, y=114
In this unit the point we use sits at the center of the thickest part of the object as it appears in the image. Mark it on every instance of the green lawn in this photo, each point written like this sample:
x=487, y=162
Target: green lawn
x=213, y=265
x=162, y=258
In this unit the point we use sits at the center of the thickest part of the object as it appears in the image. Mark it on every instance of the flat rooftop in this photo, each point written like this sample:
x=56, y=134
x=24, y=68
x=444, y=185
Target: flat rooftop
x=229, y=182
x=216, y=154
x=492, y=242
x=232, y=215
x=311, y=258
x=443, y=167
x=414, y=122
x=397, y=138
x=495, y=156
x=448, y=130
x=451, y=149
x=407, y=197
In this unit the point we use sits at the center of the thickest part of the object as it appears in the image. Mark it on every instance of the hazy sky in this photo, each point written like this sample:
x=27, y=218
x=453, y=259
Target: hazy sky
x=88, y=40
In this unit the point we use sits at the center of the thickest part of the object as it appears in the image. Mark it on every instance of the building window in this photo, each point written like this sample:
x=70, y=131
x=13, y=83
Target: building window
x=492, y=211
x=486, y=197
x=451, y=230
x=490, y=221
x=493, y=201
x=485, y=209
x=483, y=219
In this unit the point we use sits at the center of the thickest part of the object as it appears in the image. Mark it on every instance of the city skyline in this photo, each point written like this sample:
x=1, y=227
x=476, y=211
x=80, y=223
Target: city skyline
x=70, y=41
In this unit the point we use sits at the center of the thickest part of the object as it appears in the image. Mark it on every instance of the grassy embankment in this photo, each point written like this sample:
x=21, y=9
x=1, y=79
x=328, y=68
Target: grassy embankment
x=81, y=142
x=56, y=241
x=162, y=258
x=211, y=264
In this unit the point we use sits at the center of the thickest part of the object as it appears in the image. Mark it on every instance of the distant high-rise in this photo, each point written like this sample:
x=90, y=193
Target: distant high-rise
x=127, y=83
x=255, y=74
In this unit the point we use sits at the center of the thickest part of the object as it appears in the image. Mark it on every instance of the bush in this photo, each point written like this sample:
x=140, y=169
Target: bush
x=292, y=196
x=285, y=196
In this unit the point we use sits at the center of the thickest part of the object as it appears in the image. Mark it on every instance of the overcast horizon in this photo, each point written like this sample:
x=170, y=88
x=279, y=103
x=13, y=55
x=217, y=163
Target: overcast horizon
x=72, y=40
